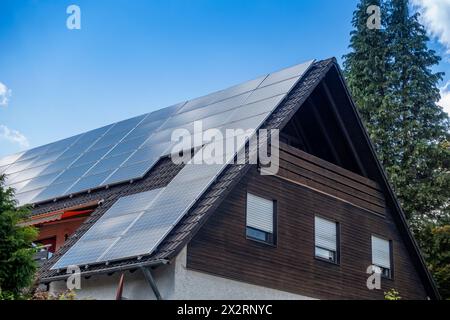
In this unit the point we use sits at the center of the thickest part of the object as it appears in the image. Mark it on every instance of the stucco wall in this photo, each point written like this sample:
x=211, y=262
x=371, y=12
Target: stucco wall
x=174, y=282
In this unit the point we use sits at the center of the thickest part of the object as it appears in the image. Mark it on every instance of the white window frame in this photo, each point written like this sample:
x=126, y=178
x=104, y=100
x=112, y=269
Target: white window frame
x=322, y=250
x=381, y=251
x=260, y=227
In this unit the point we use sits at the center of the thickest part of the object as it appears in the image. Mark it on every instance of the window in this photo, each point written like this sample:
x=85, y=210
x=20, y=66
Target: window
x=260, y=219
x=326, y=239
x=381, y=255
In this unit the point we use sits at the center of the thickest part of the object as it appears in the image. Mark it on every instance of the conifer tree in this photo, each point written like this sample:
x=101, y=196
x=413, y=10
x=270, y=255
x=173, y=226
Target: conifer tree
x=419, y=169
x=390, y=77
x=389, y=72
x=365, y=68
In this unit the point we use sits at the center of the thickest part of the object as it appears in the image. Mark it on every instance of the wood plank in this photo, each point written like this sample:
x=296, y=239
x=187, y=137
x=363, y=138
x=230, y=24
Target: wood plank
x=330, y=166
x=220, y=247
x=351, y=191
x=330, y=174
x=295, y=178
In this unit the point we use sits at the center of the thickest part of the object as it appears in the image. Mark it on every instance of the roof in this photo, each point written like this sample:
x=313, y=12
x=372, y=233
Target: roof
x=193, y=219
x=185, y=229
x=128, y=149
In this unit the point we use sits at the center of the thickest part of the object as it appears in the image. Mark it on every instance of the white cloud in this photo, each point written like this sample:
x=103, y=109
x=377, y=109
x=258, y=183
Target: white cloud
x=5, y=94
x=435, y=15
x=13, y=136
x=445, y=97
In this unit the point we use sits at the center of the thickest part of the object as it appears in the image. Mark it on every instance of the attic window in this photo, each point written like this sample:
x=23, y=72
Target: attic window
x=260, y=219
x=381, y=255
x=326, y=238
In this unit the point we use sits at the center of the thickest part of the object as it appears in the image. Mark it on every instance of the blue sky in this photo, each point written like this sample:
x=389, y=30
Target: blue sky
x=132, y=57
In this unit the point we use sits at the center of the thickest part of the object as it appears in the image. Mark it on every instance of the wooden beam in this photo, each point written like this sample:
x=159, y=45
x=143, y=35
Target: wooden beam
x=335, y=111
x=324, y=131
x=299, y=131
x=299, y=136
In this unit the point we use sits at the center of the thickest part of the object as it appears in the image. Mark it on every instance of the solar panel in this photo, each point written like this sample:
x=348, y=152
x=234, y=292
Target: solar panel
x=111, y=226
x=39, y=182
x=164, y=212
x=59, y=165
x=255, y=108
x=127, y=146
x=148, y=152
x=109, y=163
x=222, y=95
x=127, y=172
x=128, y=149
x=25, y=174
x=90, y=157
x=88, y=182
x=272, y=90
x=5, y=161
x=52, y=191
x=287, y=73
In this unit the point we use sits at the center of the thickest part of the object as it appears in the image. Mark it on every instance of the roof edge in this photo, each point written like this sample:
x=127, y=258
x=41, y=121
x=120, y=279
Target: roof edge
x=126, y=267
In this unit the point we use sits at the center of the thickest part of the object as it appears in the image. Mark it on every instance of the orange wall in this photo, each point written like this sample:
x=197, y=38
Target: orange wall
x=59, y=229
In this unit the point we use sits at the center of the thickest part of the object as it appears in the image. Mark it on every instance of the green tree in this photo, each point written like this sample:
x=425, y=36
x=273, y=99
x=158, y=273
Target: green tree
x=365, y=68
x=390, y=77
x=419, y=169
x=17, y=267
x=389, y=72
x=435, y=240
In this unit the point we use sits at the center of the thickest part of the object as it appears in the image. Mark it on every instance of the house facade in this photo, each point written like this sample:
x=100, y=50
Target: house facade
x=324, y=225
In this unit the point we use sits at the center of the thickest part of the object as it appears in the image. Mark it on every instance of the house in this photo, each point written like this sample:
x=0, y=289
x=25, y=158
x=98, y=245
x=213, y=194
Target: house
x=140, y=225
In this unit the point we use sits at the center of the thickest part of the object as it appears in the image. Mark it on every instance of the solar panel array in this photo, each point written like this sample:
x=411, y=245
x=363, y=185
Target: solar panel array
x=101, y=157
x=136, y=224
x=111, y=226
x=127, y=150
x=146, y=218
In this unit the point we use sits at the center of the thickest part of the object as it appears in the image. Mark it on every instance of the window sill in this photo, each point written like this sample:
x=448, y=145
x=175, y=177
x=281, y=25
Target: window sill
x=335, y=263
x=261, y=242
x=387, y=278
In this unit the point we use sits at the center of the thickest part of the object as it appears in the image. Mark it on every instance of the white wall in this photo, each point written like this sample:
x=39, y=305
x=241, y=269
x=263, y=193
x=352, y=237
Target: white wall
x=191, y=284
x=174, y=282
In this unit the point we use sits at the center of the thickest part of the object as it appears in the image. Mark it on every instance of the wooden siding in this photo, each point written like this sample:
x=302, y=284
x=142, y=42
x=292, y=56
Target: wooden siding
x=300, y=167
x=307, y=186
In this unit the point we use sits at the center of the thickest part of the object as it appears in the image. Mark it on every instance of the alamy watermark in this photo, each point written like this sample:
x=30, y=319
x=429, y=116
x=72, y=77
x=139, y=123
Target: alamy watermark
x=73, y=21
x=374, y=280
x=223, y=146
x=374, y=19
x=74, y=280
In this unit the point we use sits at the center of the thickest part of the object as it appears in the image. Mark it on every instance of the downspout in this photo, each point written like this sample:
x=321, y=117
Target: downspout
x=151, y=281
